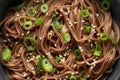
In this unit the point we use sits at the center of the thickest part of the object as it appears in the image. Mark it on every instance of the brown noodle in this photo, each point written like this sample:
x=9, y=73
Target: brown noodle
x=50, y=41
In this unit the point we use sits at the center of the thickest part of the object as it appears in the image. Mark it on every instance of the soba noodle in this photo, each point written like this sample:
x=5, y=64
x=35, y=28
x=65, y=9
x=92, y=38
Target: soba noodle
x=50, y=43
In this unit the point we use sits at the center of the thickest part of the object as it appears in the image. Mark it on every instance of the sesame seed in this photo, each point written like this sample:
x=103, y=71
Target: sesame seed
x=94, y=26
x=22, y=34
x=75, y=22
x=46, y=13
x=27, y=60
x=89, y=40
x=61, y=9
x=91, y=15
x=98, y=34
x=16, y=42
x=63, y=59
x=66, y=13
x=81, y=50
x=81, y=28
x=40, y=38
x=68, y=10
x=55, y=45
x=28, y=78
x=82, y=21
x=97, y=14
x=6, y=34
x=28, y=32
x=8, y=39
x=17, y=15
x=66, y=76
x=60, y=55
x=32, y=68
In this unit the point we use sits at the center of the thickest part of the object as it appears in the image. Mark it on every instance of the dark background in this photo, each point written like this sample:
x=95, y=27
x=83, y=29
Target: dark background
x=115, y=11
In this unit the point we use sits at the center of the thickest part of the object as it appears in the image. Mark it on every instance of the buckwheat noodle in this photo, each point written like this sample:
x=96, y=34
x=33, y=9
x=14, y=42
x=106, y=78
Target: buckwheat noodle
x=50, y=43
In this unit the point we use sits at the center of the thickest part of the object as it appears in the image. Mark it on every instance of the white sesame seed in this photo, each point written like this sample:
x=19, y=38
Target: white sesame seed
x=94, y=26
x=27, y=60
x=60, y=55
x=66, y=13
x=40, y=38
x=98, y=34
x=17, y=15
x=61, y=9
x=75, y=22
x=66, y=76
x=8, y=39
x=6, y=34
x=28, y=32
x=58, y=72
x=97, y=14
x=82, y=21
x=28, y=78
x=63, y=59
x=32, y=68
x=16, y=42
x=81, y=50
x=91, y=15
x=22, y=34
x=81, y=28
x=46, y=13
x=89, y=40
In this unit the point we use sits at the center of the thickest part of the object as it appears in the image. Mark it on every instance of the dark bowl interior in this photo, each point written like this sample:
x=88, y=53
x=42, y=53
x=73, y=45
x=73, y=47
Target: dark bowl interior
x=115, y=11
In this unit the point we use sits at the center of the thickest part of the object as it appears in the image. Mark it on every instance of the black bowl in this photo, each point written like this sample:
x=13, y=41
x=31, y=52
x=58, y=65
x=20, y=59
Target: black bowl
x=115, y=11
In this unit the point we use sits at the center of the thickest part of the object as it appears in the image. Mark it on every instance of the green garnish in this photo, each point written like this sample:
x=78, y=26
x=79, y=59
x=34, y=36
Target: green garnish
x=104, y=36
x=27, y=25
x=56, y=24
x=47, y=66
x=85, y=13
x=44, y=8
x=39, y=65
x=88, y=29
x=29, y=43
x=58, y=59
x=97, y=53
x=105, y=5
x=113, y=40
x=66, y=37
x=39, y=21
x=6, y=54
x=72, y=77
x=77, y=53
x=20, y=6
x=99, y=47
x=31, y=12
x=83, y=73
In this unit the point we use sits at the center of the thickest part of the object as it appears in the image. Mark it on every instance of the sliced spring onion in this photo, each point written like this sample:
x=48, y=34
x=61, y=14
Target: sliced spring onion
x=56, y=24
x=29, y=43
x=82, y=74
x=47, y=66
x=66, y=37
x=6, y=54
x=39, y=65
x=27, y=25
x=113, y=40
x=39, y=21
x=88, y=29
x=85, y=13
x=99, y=47
x=104, y=36
x=31, y=12
x=77, y=53
x=72, y=77
x=97, y=53
x=20, y=6
x=58, y=59
x=105, y=5
x=44, y=8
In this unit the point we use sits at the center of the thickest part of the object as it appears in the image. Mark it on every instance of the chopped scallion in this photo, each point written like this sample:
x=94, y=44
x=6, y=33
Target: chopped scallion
x=85, y=13
x=66, y=37
x=44, y=8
